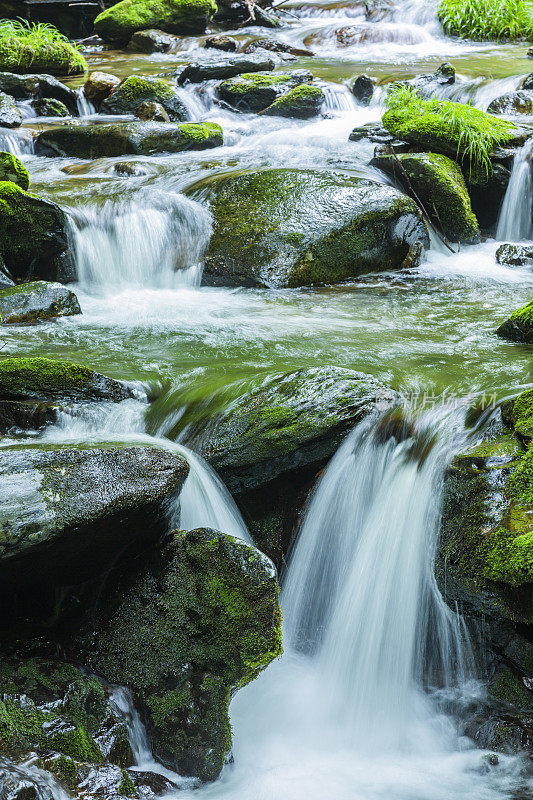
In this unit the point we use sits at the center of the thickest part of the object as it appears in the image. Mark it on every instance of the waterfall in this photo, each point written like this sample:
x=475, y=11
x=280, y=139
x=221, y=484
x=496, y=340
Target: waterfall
x=156, y=241
x=515, y=222
x=26, y=780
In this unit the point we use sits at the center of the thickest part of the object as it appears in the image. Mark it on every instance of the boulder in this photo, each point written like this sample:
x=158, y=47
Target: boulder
x=439, y=184
x=191, y=624
x=379, y=135
x=519, y=326
x=515, y=255
x=39, y=300
x=226, y=43
x=250, y=92
x=363, y=89
x=520, y=102
x=229, y=68
x=118, y=23
x=10, y=114
x=33, y=233
x=128, y=138
x=12, y=169
x=19, y=53
x=152, y=111
x=21, y=87
x=137, y=89
x=70, y=513
x=46, y=107
x=302, y=102
x=290, y=227
x=150, y=41
x=275, y=46
x=99, y=86
x=28, y=87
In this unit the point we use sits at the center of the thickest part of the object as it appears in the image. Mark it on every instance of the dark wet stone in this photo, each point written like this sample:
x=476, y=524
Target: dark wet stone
x=276, y=47
x=99, y=86
x=152, y=111
x=487, y=190
x=226, y=43
x=46, y=107
x=256, y=92
x=229, y=68
x=151, y=41
x=520, y=102
x=137, y=89
x=527, y=83
x=515, y=255
x=363, y=89
x=30, y=302
x=26, y=87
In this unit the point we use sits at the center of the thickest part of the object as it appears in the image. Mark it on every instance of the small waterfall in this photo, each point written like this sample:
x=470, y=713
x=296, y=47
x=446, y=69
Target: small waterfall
x=85, y=107
x=515, y=222
x=18, y=142
x=156, y=241
x=26, y=780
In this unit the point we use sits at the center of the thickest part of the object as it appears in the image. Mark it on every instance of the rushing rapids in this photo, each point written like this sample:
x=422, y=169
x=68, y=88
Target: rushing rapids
x=383, y=669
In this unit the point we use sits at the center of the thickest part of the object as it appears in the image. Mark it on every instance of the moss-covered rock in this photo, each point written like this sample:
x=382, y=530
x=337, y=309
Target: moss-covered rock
x=289, y=227
x=128, y=138
x=12, y=169
x=302, y=102
x=137, y=89
x=39, y=300
x=118, y=23
x=193, y=623
x=226, y=68
x=515, y=255
x=255, y=92
x=519, y=326
x=24, y=50
x=48, y=107
x=439, y=184
x=10, y=114
x=69, y=513
x=33, y=233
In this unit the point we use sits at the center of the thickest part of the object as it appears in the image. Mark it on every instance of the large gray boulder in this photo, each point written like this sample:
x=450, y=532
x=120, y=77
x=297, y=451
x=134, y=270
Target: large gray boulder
x=290, y=227
x=127, y=138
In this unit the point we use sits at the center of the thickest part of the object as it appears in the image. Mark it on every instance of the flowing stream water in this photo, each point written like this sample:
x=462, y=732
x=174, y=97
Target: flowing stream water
x=352, y=711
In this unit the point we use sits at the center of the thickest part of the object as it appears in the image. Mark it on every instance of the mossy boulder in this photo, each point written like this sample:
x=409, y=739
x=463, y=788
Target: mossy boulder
x=519, y=326
x=255, y=92
x=39, y=300
x=60, y=57
x=10, y=114
x=48, y=107
x=137, y=89
x=12, y=169
x=302, y=102
x=290, y=227
x=190, y=625
x=118, y=23
x=33, y=233
x=226, y=68
x=69, y=513
x=128, y=138
x=439, y=184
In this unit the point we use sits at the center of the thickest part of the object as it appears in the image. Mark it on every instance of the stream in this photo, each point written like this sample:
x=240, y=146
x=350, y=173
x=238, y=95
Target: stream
x=345, y=713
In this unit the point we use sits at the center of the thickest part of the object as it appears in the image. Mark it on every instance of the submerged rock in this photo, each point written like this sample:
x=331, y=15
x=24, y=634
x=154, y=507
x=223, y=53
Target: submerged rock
x=439, y=184
x=519, y=326
x=428, y=85
x=12, y=169
x=250, y=92
x=33, y=233
x=68, y=513
x=128, y=138
x=302, y=102
x=288, y=227
x=118, y=23
x=151, y=41
x=137, y=89
x=39, y=300
x=195, y=621
x=515, y=255
x=99, y=85
x=10, y=114
x=229, y=68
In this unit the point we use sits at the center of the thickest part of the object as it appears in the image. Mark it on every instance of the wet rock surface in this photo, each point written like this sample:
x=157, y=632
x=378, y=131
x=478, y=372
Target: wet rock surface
x=229, y=68
x=30, y=302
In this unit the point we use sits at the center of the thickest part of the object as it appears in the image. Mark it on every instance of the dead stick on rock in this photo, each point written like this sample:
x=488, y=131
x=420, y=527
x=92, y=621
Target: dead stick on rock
x=405, y=176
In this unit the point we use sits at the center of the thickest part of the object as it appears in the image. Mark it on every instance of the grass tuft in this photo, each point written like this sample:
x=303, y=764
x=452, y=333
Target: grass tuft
x=487, y=19
x=474, y=132
x=25, y=45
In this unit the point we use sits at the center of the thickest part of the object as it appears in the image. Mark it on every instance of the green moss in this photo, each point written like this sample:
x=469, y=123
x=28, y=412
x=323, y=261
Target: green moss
x=487, y=19
x=300, y=102
x=65, y=769
x=461, y=131
x=519, y=326
x=255, y=91
x=510, y=689
x=510, y=559
x=137, y=89
x=119, y=22
x=25, y=47
x=12, y=169
x=23, y=377
x=523, y=414
x=127, y=788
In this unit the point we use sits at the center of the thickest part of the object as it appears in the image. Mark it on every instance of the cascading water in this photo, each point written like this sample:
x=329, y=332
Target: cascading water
x=156, y=241
x=515, y=223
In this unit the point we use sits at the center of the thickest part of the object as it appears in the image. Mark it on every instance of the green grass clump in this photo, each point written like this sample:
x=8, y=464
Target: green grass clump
x=37, y=47
x=461, y=130
x=487, y=19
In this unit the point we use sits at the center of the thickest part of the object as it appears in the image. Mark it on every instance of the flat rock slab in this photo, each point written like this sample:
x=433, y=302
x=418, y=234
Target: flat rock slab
x=127, y=138
x=225, y=68
x=35, y=301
